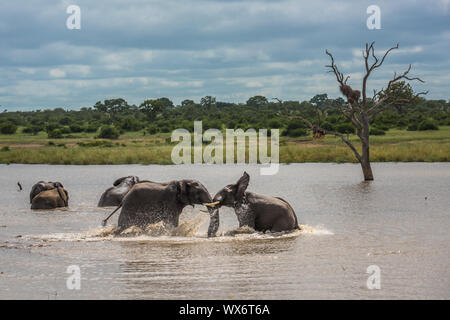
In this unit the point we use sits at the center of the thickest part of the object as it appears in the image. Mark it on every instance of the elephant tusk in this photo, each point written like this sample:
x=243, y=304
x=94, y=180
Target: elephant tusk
x=212, y=204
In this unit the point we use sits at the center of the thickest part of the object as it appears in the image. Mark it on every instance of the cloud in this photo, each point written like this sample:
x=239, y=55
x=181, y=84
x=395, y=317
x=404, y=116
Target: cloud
x=229, y=49
x=57, y=73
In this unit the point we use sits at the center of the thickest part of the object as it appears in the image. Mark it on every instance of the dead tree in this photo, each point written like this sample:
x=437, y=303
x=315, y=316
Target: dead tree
x=361, y=110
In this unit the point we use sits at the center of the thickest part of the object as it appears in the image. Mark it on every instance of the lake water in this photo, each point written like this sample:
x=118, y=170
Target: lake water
x=400, y=222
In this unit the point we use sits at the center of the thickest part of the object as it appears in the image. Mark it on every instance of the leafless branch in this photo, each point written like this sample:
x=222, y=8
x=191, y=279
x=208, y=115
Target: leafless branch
x=367, y=53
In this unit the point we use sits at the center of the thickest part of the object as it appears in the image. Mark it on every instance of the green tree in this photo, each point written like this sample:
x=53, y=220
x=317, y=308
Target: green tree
x=257, y=102
x=8, y=127
x=108, y=132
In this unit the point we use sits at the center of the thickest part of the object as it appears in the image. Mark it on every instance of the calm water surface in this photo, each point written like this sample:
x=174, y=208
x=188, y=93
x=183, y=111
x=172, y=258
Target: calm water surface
x=399, y=222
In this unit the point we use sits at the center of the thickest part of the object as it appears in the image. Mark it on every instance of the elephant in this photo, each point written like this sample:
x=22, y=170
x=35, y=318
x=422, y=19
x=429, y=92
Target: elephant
x=113, y=196
x=257, y=211
x=48, y=195
x=150, y=202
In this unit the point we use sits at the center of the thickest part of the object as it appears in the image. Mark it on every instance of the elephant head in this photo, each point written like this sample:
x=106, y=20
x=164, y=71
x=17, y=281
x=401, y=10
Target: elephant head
x=232, y=193
x=190, y=192
x=229, y=196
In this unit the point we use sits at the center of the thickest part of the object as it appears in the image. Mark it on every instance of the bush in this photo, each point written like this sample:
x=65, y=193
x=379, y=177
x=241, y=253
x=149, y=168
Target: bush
x=65, y=130
x=32, y=129
x=327, y=126
x=55, y=134
x=130, y=124
x=5, y=148
x=413, y=126
x=299, y=132
x=382, y=127
x=75, y=127
x=295, y=128
x=402, y=123
x=8, y=127
x=52, y=126
x=274, y=123
x=376, y=132
x=92, y=127
x=108, y=132
x=345, y=128
x=427, y=125
x=151, y=129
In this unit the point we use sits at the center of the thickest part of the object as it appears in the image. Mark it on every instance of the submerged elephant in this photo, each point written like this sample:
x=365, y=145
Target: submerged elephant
x=151, y=202
x=48, y=195
x=254, y=210
x=113, y=196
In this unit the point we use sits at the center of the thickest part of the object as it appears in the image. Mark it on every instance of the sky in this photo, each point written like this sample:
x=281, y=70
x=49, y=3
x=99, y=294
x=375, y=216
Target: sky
x=230, y=49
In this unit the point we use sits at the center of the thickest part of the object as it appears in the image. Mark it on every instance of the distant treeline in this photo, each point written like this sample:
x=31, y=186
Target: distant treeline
x=113, y=117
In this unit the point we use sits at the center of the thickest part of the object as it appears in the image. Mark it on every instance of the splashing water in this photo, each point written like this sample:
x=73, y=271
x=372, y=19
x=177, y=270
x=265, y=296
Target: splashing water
x=187, y=230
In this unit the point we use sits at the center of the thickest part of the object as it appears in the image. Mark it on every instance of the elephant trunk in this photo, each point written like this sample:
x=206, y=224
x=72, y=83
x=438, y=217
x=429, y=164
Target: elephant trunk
x=214, y=222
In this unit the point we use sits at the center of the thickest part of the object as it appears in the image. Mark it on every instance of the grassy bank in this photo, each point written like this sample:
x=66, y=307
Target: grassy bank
x=84, y=149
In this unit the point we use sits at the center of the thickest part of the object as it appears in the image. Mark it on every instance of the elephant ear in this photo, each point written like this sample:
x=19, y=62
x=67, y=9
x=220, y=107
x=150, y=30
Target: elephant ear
x=63, y=195
x=242, y=185
x=119, y=181
x=37, y=188
x=183, y=192
x=57, y=185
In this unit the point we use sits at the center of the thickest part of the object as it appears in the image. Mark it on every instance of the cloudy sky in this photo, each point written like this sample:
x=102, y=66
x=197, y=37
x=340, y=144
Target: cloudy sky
x=225, y=48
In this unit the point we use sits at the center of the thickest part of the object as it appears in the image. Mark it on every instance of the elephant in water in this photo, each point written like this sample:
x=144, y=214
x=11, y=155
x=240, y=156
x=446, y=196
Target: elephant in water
x=48, y=195
x=254, y=210
x=150, y=202
x=113, y=196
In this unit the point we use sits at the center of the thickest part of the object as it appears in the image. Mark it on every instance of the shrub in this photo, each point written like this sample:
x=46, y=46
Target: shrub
x=402, y=123
x=32, y=129
x=345, y=128
x=52, y=126
x=413, y=126
x=295, y=128
x=75, y=127
x=427, y=125
x=108, y=132
x=152, y=129
x=65, y=130
x=5, y=148
x=376, y=132
x=327, y=126
x=130, y=124
x=55, y=134
x=91, y=127
x=297, y=132
x=382, y=127
x=8, y=127
x=274, y=123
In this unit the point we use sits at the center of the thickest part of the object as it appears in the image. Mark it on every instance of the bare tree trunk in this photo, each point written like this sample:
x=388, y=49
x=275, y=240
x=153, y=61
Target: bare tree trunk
x=365, y=163
x=365, y=150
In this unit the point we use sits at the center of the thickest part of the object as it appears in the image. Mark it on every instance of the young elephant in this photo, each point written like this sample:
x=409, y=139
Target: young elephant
x=113, y=196
x=254, y=210
x=48, y=195
x=151, y=202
